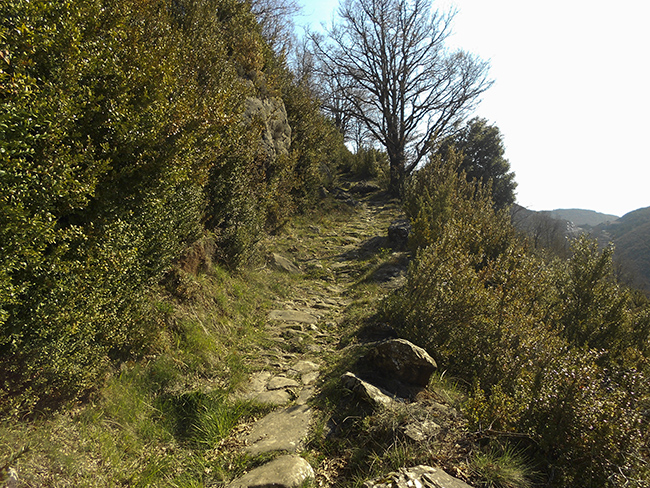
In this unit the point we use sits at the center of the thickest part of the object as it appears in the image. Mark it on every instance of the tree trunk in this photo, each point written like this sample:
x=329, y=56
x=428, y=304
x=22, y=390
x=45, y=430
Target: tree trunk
x=397, y=173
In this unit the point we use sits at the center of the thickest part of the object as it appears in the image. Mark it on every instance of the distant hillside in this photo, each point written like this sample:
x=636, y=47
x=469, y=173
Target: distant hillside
x=631, y=235
x=581, y=217
x=543, y=230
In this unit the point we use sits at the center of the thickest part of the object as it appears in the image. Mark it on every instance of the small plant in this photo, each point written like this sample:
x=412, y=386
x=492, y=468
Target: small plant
x=500, y=467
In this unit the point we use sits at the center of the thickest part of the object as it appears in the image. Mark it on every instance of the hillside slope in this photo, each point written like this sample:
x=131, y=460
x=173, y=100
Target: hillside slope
x=581, y=217
x=631, y=236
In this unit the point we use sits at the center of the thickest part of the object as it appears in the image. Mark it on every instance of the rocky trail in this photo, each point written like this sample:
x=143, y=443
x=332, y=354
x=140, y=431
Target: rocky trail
x=326, y=260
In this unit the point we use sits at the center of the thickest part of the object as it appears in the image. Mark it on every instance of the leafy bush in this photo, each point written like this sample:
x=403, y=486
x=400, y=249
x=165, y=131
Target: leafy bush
x=554, y=349
x=122, y=142
x=369, y=162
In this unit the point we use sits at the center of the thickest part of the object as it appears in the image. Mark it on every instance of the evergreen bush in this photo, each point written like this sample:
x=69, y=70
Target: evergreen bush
x=554, y=349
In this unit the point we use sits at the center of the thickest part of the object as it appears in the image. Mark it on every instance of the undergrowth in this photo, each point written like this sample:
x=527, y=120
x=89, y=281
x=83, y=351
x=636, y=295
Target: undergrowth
x=166, y=420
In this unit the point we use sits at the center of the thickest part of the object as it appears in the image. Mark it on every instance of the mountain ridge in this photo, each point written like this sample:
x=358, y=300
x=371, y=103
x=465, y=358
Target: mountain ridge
x=630, y=234
x=582, y=217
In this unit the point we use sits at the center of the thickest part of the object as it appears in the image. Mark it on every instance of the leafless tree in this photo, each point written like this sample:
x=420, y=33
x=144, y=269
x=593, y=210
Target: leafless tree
x=276, y=18
x=389, y=61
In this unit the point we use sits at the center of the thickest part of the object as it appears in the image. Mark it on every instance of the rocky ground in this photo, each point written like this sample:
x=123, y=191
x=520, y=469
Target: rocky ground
x=336, y=263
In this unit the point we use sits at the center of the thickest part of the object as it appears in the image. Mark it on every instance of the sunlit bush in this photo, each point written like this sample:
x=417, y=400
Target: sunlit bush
x=122, y=142
x=554, y=349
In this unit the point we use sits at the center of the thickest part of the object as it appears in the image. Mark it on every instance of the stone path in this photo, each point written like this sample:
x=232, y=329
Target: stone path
x=300, y=329
x=325, y=262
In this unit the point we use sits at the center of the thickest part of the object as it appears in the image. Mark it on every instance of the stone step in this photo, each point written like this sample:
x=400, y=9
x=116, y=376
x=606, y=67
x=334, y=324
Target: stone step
x=293, y=316
x=281, y=430
x=288, y=471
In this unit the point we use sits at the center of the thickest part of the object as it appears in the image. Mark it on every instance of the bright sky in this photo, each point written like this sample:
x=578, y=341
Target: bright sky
x=571, y=94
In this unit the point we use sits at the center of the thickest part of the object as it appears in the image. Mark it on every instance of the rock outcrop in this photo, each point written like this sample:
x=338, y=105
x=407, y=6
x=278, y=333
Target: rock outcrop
x=276, y=131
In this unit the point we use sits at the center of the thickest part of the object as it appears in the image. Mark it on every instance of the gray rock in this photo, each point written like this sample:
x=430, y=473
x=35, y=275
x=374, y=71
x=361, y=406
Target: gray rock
x=276, y=131
x=282, y=430
x=279, y=382
x=276, y=397
x=283, y=264
x=309, y=378
x=305, y=395
x=365, y=187
x=258, y=381
x=289, y=471
x=292, y=316
x=398, y=233
x=420, y=476
x=256, y=390
x=304, y=367
x=422, y=430
x=401, y=360
x=376, y=396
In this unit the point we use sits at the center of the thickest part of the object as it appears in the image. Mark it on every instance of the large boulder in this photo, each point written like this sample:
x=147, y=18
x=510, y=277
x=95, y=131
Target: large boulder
x=399, y=359
x=423, y=476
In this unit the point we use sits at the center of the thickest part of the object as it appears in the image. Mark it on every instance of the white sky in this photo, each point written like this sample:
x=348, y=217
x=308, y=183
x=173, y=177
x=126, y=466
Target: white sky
x=571, y=94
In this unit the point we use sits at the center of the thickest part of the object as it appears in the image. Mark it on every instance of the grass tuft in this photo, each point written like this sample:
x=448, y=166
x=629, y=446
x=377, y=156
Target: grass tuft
x=501, y=467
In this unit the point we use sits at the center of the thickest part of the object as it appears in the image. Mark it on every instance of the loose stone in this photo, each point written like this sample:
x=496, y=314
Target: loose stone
x=422, y=476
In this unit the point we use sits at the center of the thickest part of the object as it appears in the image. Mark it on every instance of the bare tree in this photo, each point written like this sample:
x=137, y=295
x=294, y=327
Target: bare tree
x=389, y=61
x=276, y=18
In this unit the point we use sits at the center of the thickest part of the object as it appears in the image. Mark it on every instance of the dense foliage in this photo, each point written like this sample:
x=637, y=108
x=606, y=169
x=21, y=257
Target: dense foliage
x=122, y=142
x=555, y=350
x=483, y=158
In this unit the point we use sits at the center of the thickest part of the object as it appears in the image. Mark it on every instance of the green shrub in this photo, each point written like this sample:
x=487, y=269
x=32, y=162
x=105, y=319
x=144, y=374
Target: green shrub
x=122, y=140
x=438, y=194
x=369, y=162
x=555, y=349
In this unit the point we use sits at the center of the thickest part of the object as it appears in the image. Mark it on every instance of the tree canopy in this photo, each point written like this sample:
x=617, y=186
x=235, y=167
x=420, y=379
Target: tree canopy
x=483, y=159
x=393, y=71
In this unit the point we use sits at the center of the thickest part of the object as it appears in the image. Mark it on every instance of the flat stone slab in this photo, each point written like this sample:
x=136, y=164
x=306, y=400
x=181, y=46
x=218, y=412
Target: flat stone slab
x=279, y=382
x=303, y=367
x=305, y=395
x=292, y=316
x=276, y=397
x=282, y=430
x=289, y=471
x=309, y=378
x=258, y=381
